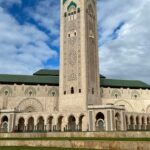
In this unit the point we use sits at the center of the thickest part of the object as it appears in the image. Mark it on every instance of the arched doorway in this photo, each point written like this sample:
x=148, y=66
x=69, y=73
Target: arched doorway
x=50, y=123
x=81, y=122
x=148, y=123
x=127, y=123
x=72, y=123
x=21, y=125
x=40, y=125
x=137, y=126
x=4, y=124
x=30, y=124
x=131, y=126
x=117, y=122
x=143, y=124
x=59, y=123
x=100, y=122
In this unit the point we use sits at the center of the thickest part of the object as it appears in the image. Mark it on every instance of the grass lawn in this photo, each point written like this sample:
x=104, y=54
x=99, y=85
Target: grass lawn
x=36, y=148
x=77, y=139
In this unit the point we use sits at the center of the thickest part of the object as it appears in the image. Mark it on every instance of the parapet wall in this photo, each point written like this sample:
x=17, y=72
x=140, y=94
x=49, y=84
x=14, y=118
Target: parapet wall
x=78, y=134
x=99, y=145
x=72, y=143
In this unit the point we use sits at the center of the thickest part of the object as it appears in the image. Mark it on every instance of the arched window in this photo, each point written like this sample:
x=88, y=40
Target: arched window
x=72, y=90
x=72, y=123
x=21, y=125
x=4, y=124
x=92, y=90
x=131, y=126
x=30, y=92
x=59, y=123
x=116, y=94
x=53, y=92
x=6, y=91
x=117, y=122
x=64, y=92
x=40, y=124
x=30, y=126
x=72, y=9
x=135, y=95
x=100, y=122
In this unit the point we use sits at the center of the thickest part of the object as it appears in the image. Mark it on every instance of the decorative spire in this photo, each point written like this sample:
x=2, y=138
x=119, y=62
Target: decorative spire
x=72, y=4
x=64, y=1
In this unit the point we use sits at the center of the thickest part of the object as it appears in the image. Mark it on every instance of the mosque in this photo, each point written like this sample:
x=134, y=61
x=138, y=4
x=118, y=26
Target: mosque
x=76, y=97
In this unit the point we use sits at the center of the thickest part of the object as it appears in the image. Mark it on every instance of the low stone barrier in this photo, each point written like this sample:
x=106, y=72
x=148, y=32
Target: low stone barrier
x=72, y=143
x=100, y=145
x=78, y=134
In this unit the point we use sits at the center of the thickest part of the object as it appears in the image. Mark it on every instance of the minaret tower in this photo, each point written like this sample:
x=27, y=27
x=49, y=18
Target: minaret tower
x=79, y=67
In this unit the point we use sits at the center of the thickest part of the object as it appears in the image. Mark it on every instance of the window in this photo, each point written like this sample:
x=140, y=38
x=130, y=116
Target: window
x=68, y=35
x=135, y=96
x=92, y=90
x=78, y=10
x=116, y=95
x=79, y=90
x=72, y=90
x=6, y=93
x=65, y=14
x=53, y=93
x=30, y=93
x=64, y=92
x=75, y=33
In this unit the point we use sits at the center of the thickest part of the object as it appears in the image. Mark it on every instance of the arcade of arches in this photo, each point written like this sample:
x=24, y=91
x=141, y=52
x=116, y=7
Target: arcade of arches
x=137, y=122
x=73, y=123
x=44, y=124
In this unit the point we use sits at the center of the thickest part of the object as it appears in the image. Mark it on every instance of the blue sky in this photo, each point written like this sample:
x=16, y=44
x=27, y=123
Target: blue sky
x=29, y=38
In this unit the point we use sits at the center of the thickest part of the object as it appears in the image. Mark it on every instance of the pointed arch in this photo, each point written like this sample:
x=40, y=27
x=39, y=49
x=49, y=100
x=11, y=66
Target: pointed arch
x=72, y=4
x=127, y=105
x=30, y=105
x=6, y=91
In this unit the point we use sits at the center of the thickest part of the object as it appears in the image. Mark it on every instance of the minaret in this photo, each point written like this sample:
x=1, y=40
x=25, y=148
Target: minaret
x=79, y=67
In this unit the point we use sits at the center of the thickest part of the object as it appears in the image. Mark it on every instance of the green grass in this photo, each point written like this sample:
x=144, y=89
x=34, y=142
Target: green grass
x=77, y=139
x=37, y=148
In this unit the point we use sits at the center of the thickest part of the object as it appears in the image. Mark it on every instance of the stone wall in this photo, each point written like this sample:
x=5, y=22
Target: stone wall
x=134, y=100
x=111, y=145
x=78, y=134
x=94, y=144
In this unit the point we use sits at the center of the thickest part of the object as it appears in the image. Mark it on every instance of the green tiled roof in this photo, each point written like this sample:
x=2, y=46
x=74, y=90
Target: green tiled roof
x=45, y=72
x=64, y=1
x=123, y=83
x=51, y=77
x=33, y=79
x=72, y=4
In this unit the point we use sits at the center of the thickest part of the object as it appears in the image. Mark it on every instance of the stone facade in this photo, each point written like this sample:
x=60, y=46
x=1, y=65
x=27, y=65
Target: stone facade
x=78, y=103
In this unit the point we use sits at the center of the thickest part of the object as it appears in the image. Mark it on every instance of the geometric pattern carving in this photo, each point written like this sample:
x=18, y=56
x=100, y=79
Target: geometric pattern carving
x=30, y=105
x=53, y=92
x=127, y=105
x=116, y=94
x=71, y=52
x=30, y=92
x=135, y=94
x=92, y=58
x=6, y=91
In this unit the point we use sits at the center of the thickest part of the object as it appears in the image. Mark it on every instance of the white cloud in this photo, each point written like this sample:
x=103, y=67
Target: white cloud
x=47, y=14
x=127, y=56
x=23, y=48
